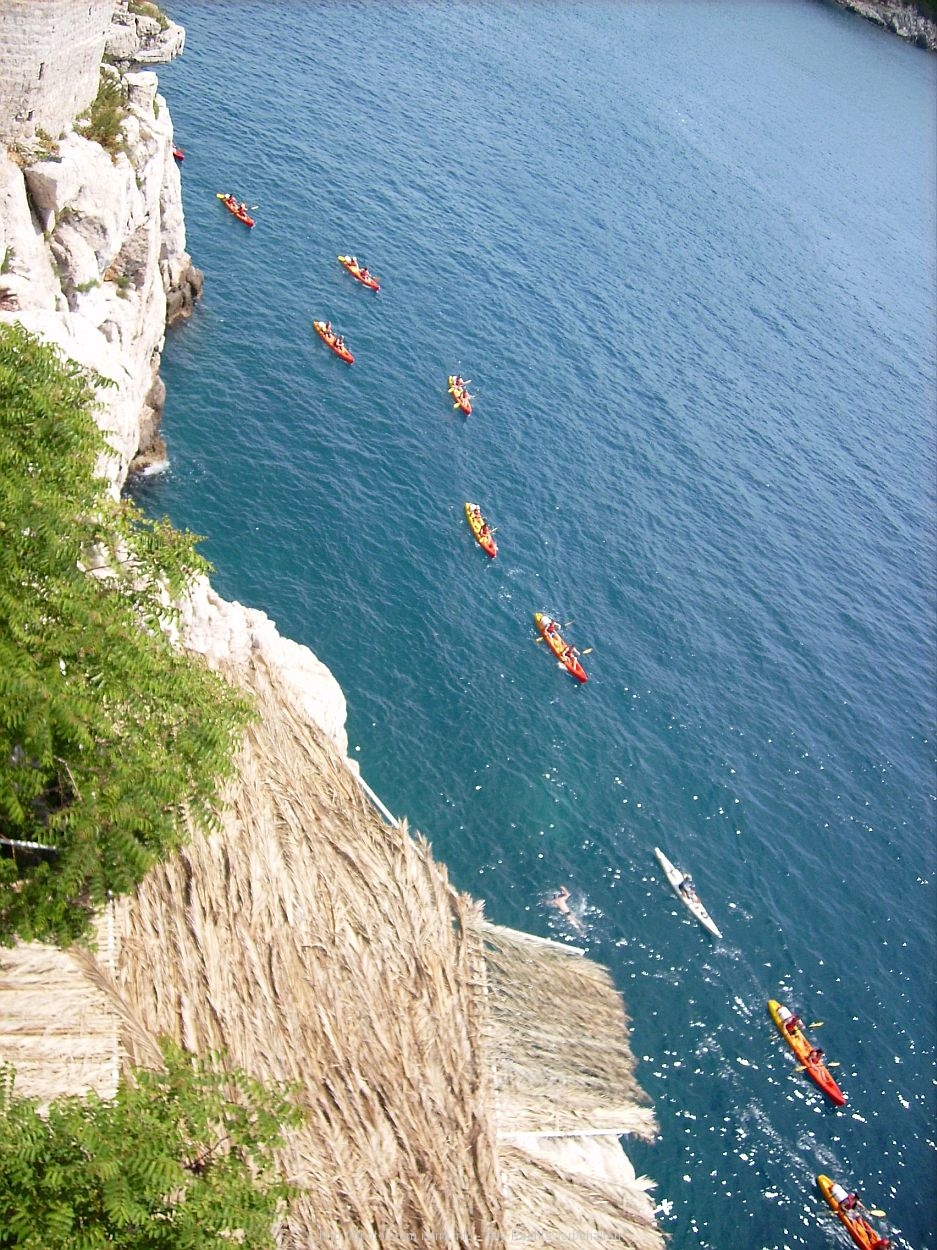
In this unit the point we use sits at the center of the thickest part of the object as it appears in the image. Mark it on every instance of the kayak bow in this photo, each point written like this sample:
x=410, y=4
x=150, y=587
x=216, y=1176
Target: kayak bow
x=549, y=631
x=690, y=901
x=460, y=395
x=476, y=521
x=331, y=340
x=357, y=271
x=859, y=1228
x=232, y=205
x=800, y=1045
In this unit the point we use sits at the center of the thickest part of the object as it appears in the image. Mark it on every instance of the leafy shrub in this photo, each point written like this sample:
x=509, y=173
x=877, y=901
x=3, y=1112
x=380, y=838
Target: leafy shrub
x=103, y=122
x=106, y=731
x=182, y=1157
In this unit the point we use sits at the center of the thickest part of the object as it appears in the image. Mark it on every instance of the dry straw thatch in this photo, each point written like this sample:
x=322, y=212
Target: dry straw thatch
x=312, y=942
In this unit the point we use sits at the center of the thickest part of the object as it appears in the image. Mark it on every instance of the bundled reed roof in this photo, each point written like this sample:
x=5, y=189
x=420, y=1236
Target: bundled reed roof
x=316, y=944
x=58, y=1031
x=564, y=1092
x=560, y=1041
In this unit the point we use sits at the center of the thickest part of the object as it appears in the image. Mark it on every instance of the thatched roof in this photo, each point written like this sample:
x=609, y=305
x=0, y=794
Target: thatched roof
x=313, y=942
x=564, y=1092
x=58, y=1031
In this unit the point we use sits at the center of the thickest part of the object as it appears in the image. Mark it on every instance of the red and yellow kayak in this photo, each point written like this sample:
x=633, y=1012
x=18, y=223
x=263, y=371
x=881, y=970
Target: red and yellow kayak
x=550, y=632
x=460, y=394
x=859, y=1228
x=360, y=272
x=479, y=527
x=232, y=205
x=800, y=1045
x=330, y=338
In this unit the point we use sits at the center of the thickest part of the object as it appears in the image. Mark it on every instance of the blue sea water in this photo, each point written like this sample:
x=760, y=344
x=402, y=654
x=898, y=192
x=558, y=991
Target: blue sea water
x=686, y=252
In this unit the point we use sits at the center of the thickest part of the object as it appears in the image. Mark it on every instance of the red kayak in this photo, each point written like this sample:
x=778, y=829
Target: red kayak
x=567, y=656
x=178, y=154
x=799, y=1044
x=232, y=205
x=360, y=272
x=859, y=1228
x=459, y=392
x=333, y=340
x=484, y=536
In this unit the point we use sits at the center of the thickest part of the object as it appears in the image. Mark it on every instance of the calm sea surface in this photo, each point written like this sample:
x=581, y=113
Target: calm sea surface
x=686, y=252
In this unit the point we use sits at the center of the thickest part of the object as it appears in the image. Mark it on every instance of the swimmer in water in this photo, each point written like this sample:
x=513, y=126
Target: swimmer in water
x=560, y=901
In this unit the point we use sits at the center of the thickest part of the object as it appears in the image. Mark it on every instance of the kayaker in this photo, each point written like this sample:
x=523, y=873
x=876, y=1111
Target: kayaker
x=792, y=1025
x=340, y=342
x=814, y=1056
x=328, y=327
x=686, y=887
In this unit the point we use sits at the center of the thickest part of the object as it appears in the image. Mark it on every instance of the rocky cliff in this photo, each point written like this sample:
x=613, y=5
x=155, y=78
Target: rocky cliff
x=93, y=257
x=906, y=20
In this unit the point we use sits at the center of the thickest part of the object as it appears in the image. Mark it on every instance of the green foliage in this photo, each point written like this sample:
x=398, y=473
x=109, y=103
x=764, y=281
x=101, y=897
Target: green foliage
x=7, y=264
x=145, y=9
x=106, y=731
x=179, y=1159
x=44, y=146
x=104, y=120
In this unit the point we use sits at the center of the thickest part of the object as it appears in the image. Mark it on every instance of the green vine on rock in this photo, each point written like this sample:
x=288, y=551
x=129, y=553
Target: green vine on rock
x=107, y=732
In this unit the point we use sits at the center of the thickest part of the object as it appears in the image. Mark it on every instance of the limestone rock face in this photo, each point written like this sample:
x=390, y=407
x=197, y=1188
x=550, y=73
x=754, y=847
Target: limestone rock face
x=229, y=633
x=139, y=40
x=94, y=260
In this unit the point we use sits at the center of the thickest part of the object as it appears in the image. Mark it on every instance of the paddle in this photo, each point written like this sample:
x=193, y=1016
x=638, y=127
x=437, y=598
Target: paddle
x=815, y=1024
x=834, y=1063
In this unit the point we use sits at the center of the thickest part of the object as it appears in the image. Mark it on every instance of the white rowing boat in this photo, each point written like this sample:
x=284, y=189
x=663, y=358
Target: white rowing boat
x=689, y=898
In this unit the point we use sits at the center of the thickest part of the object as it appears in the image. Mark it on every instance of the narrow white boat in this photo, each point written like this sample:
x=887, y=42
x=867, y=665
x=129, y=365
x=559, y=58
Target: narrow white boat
x=687, y=897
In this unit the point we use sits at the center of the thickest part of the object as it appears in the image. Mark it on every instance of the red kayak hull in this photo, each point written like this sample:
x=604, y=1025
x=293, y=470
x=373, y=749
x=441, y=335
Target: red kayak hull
x=329, y=340
x=234, y=209
x=558, y=646
x=858, y=1228
x=355, y=270
x=800, y=1045
x=460, y=395
x=486, y=542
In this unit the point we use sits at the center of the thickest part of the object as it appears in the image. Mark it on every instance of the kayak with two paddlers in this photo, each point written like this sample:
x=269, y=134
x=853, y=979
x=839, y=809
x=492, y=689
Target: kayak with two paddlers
x=458, y=389
x=233, y=205
x=484, y=535
x=567, y=655
x=789, y=1026
x=360, y=272
x=333, y=340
